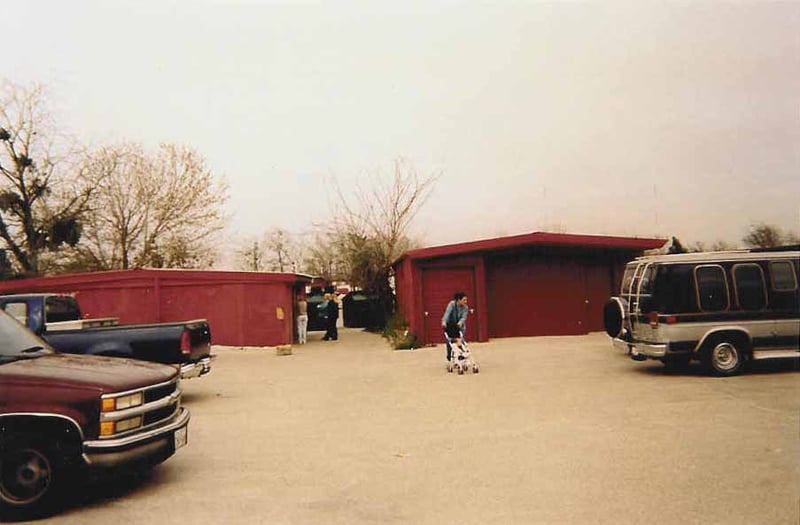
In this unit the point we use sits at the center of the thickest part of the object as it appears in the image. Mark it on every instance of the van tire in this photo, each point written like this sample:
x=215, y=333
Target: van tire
x=725, y=357
x=614, y=317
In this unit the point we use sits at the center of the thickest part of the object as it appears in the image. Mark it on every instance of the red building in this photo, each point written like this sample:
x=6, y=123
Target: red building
x=243, y=308
x=524, y=285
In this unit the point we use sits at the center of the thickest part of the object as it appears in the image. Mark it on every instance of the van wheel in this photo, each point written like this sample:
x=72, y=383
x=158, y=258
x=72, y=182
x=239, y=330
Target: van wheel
x=726, y=358
x=30, y=477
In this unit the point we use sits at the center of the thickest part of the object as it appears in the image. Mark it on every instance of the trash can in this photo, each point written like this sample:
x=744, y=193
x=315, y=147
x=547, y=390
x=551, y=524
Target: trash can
x=360, y=310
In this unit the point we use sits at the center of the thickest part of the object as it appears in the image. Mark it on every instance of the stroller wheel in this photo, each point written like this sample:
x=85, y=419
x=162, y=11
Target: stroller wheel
x=475, y=370
x=461, y=370
x=450, y=368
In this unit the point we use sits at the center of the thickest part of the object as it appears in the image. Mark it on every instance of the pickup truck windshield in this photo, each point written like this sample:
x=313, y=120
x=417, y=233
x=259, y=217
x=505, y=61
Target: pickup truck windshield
x=17, y=342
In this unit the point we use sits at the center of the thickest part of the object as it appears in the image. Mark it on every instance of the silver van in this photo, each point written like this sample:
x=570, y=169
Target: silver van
x=721, y=308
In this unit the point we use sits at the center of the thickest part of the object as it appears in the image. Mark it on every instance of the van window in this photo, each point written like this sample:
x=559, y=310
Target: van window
x=782, y=276
x=712, y=290
x=646, y=284
x=751, y=293
x=627, y=277
x=674, y=289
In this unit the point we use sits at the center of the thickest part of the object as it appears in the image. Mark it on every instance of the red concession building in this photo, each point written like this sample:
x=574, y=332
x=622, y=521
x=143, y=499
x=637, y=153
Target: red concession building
x=524, y=285
x=243, y=308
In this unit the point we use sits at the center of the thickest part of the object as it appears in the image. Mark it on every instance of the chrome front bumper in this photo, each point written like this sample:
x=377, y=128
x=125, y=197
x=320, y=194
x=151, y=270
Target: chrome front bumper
x=154, y=445
x=639, y=350
x=197, y=369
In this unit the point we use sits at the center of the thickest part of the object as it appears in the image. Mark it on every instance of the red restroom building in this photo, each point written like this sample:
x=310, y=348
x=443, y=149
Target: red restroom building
x=242, y=308
x=524, y=285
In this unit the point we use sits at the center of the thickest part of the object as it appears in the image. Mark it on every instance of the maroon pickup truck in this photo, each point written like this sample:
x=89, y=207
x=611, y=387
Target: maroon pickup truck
x=62, y=415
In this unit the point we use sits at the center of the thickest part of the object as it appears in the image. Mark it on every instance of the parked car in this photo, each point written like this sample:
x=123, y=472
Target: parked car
x=722, y=308
x=62, y=415
x=57, y=319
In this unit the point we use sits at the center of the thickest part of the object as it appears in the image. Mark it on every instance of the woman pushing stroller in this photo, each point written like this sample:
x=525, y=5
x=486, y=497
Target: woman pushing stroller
x=454, y=323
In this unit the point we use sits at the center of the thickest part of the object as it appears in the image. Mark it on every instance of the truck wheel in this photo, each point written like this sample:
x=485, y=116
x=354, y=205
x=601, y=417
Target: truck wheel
x=726, y=357
x=30, y=477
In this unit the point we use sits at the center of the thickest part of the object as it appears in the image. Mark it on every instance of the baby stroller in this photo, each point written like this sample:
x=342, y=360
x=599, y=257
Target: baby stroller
x=460, y=357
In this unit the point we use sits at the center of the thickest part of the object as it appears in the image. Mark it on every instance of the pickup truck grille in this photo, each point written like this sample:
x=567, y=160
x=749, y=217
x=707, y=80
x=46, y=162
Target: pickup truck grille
x=155, y=393
x=159, y=404
x=160, y=414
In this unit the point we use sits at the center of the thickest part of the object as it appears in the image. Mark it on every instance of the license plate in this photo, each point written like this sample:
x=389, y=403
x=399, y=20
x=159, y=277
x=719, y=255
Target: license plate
x=181, y=437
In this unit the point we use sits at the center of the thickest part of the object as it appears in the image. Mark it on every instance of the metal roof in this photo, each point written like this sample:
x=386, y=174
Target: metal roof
x=213, y=276
x=537, y=239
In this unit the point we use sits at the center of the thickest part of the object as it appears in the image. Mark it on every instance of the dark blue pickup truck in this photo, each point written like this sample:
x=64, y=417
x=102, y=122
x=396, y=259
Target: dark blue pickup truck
x=57, y=319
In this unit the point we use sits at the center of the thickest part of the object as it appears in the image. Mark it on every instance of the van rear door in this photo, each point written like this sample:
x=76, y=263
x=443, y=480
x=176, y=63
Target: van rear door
x=643, y=281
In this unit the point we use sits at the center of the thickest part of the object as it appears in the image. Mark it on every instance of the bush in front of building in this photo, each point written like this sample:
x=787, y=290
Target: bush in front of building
x=397, y=333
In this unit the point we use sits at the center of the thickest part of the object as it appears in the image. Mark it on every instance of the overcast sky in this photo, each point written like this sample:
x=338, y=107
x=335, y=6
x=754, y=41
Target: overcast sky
x=621, y=118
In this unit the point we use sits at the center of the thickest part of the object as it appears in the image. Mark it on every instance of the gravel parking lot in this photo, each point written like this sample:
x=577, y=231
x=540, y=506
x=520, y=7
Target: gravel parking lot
x=552, y=430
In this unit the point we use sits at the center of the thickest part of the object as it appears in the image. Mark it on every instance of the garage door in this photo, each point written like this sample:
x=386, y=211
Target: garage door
x=438, y=287
x=528, y=297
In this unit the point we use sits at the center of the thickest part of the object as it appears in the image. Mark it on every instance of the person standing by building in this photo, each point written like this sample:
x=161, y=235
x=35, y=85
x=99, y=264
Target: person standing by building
x=332, y=311
x=454, y=320
x=302, y=319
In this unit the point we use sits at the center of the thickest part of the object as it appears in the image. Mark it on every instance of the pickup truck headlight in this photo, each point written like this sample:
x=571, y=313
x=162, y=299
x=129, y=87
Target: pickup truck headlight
x=110, y=404
x=109, y=428
x=128, y=424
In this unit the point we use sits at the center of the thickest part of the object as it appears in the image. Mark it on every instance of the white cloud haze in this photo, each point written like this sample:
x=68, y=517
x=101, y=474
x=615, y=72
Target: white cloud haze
x=627, y=118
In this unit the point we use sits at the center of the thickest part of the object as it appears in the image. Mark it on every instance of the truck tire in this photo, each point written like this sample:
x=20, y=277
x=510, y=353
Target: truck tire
x=32, y=476
x=726, y=357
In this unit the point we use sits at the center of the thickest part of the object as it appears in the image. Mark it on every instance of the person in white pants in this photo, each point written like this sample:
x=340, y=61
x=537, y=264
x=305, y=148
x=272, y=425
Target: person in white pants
x=302, y=319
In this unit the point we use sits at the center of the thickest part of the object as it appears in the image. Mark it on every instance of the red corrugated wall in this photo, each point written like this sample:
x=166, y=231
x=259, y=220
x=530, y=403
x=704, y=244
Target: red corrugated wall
x=545, y=290
x=242, y=307
x=535, y=297
x=549, y=291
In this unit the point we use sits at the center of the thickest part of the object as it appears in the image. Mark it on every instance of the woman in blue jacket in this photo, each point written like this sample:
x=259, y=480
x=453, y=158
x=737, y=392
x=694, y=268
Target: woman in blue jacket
x=454, y=320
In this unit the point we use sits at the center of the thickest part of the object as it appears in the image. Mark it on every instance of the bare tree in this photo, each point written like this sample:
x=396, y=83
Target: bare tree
x=275, y=251
x=157, y=211
x=279, y=248
x=42, y=195
x=384, y=209
x=116, y=225
x=322, y=259
x=763, y=235
x=370, y=229
x=250, y=258
x=716, y=246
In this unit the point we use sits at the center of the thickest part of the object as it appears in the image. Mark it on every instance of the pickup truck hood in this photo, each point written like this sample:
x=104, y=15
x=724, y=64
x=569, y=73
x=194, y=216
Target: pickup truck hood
x=107, y=374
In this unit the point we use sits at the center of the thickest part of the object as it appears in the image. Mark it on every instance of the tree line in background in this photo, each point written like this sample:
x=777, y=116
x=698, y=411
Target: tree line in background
x=69, y=208
x=66, y=208
x=759, y=235
x=368, y=231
